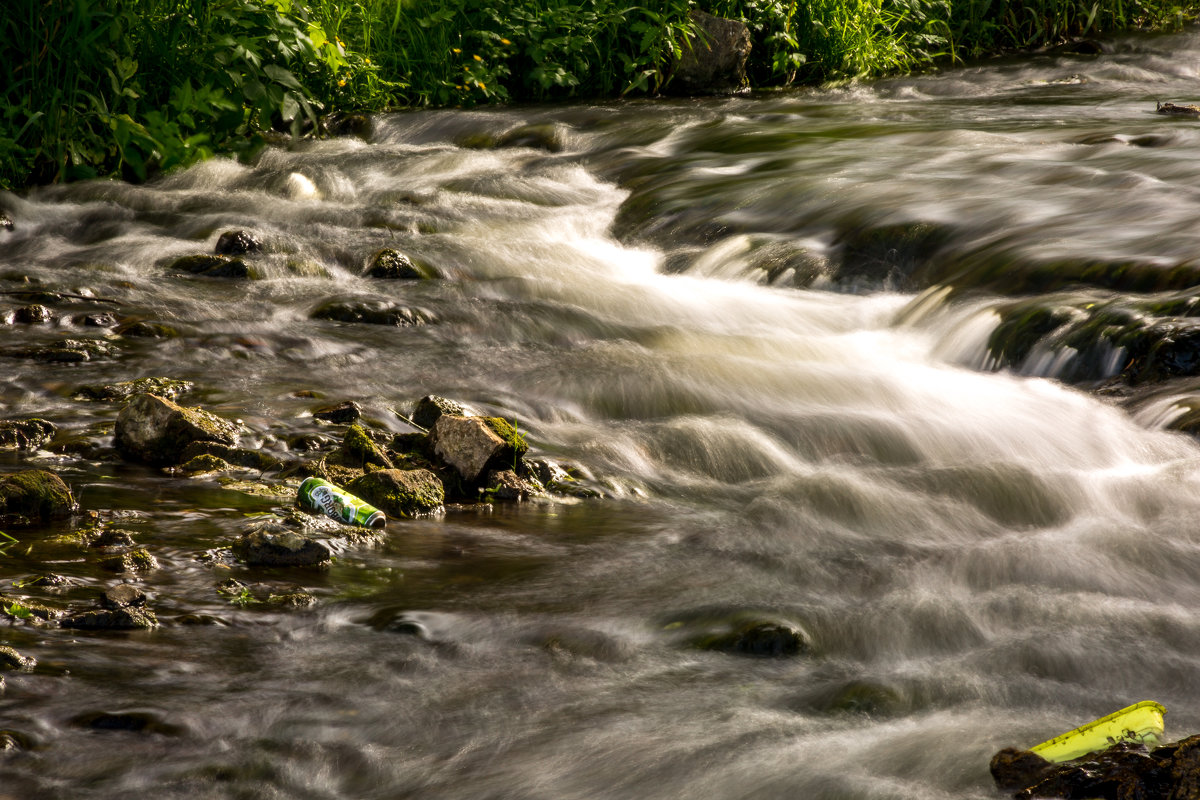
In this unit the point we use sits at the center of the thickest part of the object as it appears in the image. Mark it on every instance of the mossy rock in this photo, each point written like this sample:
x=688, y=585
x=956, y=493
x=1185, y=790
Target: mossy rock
x=204, y=465
x=139, y=560
x=511, y=436
x=25, y=434
x=400, y=493
x=10, y=659
x=145, y=329
x=303, y=268
x=389, y=264
x=156, y=431
x=889, y=256
x=169, y=388
x=232, y=456
x=36, y=314
x=360, y=450
x=34, y=496
x=67, y=351
x=112, y=619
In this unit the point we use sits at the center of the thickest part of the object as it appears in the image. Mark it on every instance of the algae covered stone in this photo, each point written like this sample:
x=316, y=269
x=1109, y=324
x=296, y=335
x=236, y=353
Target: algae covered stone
x=34, y=495
x=154, y=430
x=25, y=434
x=400, y=492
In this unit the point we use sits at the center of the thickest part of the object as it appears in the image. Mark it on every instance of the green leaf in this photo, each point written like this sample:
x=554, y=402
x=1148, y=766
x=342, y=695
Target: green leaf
x=282, y=76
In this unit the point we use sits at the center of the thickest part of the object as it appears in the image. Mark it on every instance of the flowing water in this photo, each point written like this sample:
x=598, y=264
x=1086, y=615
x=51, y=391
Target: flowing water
x=977, y=557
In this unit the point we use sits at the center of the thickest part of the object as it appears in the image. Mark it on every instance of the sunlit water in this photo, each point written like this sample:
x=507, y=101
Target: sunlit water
x=979, y=558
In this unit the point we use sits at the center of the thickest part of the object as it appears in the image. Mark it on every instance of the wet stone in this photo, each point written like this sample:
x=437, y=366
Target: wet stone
x=25, y=434
x=372, y=312
x=67, y=351
x=400, y=493
x=123, y=595
x=508, y=485
x=430, y=407
x=99, y=320
x=391, y=264
x=112, y=619
x=278, y=546
x=213, y=266
x=111, y=539
x=340, y=414
x=168, y=388
x=34, y=495
x=134, y=561
x=33, y=315
x=232, y=456
x=146, y=329
x=204, y=465
x=155, y=430
x=6, y=224
x=238, y=243
x=10, y=659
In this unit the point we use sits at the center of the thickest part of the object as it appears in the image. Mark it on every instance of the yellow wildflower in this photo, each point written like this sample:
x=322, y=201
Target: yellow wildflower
x=456, y=50
x=505, y=41
x=342, y=82
x=477, y=58
x=482, y=86
x=368, y=61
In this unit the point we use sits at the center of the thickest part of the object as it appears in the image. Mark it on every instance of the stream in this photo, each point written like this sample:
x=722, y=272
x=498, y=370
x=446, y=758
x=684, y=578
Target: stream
x=684, y=299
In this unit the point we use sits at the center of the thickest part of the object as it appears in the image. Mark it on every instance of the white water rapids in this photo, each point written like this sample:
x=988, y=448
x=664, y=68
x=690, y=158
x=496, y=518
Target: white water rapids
x=977, y=558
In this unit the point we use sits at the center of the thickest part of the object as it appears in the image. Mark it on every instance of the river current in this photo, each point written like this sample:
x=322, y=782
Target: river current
x=977, y=557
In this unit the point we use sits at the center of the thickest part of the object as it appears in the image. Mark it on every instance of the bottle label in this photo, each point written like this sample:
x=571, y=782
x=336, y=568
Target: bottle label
x=336, y=503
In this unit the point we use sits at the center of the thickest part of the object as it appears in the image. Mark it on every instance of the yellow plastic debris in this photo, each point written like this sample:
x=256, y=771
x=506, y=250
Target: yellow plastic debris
x=1141, y=722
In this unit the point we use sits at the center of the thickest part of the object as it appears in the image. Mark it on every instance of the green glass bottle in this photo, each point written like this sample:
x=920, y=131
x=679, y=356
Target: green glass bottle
x=336, y=503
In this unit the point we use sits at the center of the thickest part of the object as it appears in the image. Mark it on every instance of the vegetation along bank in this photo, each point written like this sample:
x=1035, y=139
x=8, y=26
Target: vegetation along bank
x=129, y=88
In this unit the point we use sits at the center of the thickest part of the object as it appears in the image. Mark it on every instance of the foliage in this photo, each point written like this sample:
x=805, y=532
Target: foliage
x=133, y=87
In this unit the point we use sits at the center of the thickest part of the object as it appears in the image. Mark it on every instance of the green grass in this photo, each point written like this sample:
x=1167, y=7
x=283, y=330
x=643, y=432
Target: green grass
x=129, y=88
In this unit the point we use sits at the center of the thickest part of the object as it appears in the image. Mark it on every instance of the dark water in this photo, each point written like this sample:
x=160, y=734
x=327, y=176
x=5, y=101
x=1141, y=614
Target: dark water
x=979, y=558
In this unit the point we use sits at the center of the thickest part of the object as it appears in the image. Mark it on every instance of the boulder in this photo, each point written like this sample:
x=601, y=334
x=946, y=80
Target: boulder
x=714, y=60
x=279, y=546
x=238, y=243
x=473, y=445
x=391, y=264
x=154, y=430
x=25, y=434
x=33, y=496
x=399, y=492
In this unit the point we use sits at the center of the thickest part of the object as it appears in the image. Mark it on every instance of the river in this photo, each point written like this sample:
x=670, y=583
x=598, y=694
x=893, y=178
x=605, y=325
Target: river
x=977, y=556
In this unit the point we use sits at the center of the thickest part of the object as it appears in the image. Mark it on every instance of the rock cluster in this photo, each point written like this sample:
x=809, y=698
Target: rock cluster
x=1122, y=772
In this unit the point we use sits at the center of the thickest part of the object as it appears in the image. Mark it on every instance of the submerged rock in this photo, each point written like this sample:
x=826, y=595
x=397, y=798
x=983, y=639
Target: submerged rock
x=125, y=618
x=155, y=430
x=372, y=312
x=33, y=496
x=400, y=493
x=546, y=136
x=11, y=659
x=391, y=264
x=32, y=315
x=279, y=546
x=214, y=266
x=123, y=595
x=25, y=434
x=238, y=243
x=66, y=351
x=138, y=560
x=742, y=632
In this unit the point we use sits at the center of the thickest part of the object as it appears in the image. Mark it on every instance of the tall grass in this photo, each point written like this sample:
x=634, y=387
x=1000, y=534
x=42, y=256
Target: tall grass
x=133, y=87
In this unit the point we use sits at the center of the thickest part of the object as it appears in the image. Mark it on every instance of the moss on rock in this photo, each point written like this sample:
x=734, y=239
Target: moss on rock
x=400, y=493
x=33, y=496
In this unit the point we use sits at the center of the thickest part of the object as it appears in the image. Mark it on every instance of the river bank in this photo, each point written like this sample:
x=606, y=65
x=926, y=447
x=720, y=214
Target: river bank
x=142, y=87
